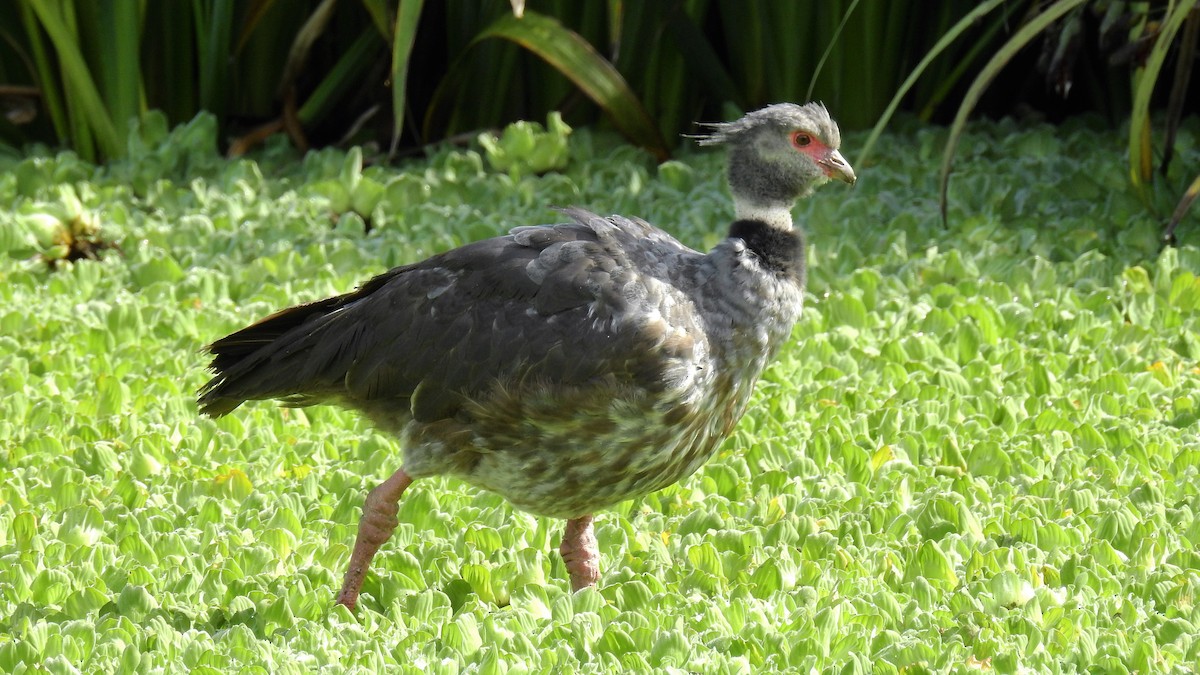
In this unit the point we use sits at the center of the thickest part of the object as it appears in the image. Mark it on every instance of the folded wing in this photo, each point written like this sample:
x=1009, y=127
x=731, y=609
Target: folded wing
x=551, y=305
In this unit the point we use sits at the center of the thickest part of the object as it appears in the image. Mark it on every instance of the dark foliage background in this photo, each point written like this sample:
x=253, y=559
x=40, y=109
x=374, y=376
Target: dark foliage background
x=684, y=60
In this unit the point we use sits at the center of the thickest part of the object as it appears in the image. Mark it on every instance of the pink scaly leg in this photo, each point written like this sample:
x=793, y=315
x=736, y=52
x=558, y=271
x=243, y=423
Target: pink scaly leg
x=580, y=553
x=375, y=527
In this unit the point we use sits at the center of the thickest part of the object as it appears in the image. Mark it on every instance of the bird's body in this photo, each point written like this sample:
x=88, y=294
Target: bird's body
x=565, y=367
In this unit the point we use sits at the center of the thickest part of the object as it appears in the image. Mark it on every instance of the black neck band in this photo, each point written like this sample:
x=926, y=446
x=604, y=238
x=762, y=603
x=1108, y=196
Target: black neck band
x=781, y=251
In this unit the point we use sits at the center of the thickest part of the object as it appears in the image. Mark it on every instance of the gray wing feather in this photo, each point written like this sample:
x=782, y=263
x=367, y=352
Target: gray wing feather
x=541, y=304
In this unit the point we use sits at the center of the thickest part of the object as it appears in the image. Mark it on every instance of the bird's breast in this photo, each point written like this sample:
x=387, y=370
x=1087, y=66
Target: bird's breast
x=660, y=394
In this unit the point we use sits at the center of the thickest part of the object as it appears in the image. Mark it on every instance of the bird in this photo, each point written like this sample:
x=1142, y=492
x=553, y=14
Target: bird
x=566, y=367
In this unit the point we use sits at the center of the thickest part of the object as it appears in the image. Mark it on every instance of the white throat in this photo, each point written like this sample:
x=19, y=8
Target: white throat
x=775, y=215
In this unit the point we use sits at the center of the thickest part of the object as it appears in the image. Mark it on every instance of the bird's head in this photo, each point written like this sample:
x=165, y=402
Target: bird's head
x=777, y=155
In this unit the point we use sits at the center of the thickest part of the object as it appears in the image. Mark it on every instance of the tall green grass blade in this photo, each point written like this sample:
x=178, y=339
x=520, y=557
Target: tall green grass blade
x=303, y=42
x=119, y=61
x=408, y=15
x=89, y=116
x=254, y=89
x=939, y=23
x=81, y=133
x=791, y=31
x=493, y=68
x=464, y=20
x=892, y=43
x=1181, y=210
x=539, y=85
x=493, y=98
x=169, y=79
x=1022, y=37
x=615, y=10
x=52, y=97
x=576, y=59
x=1179, y=87
x=378, y=9
x=699, y=53
x=743, y=25
x=687, y=53
x=945, y=41
x=653, y=67
x=214, y=23
x=851, y=54
x=948, y=81
x=1141, y=159
x=631, y=32
x=833, y=41
x=346, y=74
x=254, y=16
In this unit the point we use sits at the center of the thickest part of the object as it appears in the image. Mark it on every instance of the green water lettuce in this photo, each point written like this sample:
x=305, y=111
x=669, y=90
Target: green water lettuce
x=528, y=147
x=978, y=452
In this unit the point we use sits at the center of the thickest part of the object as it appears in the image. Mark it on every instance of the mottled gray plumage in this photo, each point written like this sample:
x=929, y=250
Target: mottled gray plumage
x=566, y=367
x=535, y=363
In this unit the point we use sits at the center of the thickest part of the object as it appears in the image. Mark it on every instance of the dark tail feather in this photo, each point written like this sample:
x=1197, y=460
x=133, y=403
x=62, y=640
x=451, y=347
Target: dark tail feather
x=299, y=354
x=238, y=358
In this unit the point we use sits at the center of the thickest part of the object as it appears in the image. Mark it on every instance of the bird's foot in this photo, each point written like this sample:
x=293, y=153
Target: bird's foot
x=580, y=553
x=376, y=526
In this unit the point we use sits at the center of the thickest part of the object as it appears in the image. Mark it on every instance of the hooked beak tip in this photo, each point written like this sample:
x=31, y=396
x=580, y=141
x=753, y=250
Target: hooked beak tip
x=837, y=167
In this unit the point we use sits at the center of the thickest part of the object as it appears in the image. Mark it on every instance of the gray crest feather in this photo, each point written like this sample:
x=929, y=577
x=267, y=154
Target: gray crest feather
x=811, y=117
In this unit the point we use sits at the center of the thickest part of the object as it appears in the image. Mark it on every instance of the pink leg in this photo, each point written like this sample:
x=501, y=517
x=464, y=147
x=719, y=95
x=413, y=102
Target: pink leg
x=376, y=526
x=580, y=553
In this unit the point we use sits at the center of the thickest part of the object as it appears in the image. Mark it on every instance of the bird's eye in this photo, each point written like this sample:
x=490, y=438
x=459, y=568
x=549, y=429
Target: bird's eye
x=801, y=139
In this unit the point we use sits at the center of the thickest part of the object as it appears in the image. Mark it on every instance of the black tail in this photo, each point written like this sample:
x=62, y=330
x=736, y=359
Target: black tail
x=243, y=361
x=274, y=359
